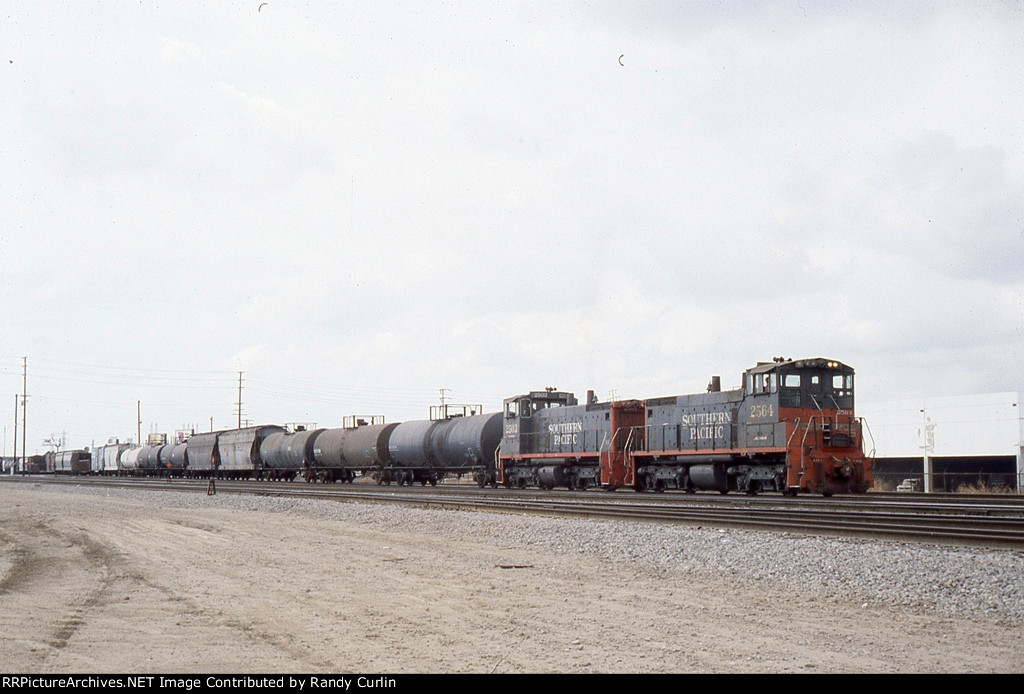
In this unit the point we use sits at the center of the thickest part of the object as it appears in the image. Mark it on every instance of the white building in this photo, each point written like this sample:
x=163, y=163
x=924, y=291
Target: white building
x=965, y=435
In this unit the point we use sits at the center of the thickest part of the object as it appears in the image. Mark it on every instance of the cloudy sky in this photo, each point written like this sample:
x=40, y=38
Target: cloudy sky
x=358, y=204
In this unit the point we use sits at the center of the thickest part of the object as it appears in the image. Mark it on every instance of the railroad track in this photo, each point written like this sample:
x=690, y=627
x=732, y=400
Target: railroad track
x=949, y=519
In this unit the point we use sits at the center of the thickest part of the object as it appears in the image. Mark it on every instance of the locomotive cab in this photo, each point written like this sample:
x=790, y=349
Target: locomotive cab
x=520, y=432
x=807, y=407
x=525, y=405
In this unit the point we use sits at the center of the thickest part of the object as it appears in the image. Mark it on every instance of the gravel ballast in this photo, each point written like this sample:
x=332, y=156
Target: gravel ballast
x=111, y=580
x=953, y=581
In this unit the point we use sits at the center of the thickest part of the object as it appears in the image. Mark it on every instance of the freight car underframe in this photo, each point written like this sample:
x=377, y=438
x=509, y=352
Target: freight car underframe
x=387, y=475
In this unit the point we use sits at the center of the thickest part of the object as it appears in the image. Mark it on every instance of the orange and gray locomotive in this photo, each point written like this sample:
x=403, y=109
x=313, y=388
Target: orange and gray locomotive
x=790, y=427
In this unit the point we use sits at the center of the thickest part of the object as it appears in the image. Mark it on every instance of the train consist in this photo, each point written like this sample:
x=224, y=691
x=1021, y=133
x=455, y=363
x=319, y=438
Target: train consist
x=789, y=428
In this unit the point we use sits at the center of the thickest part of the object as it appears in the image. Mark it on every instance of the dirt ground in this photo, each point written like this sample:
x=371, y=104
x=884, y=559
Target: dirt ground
x=101, y=584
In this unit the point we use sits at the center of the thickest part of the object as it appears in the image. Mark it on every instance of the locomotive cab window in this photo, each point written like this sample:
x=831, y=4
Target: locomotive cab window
x=842, y=390
x=791, y=387
x=764, y=383
x=759, y=384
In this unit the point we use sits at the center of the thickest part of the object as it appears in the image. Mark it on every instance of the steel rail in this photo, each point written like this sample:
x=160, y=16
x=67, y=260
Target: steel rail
x=936, y=523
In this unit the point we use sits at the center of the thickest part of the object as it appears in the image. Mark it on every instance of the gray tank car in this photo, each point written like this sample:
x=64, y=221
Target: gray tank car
x=470, y=443
x=341, y=453
x=149, y=459
x=424, y=451
x=128, y=463
x=286, y=455
x=174, y=460
x=414, y=453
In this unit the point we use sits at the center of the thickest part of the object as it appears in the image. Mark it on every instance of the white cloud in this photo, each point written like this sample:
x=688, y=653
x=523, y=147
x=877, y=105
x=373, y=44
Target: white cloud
x=373, y=201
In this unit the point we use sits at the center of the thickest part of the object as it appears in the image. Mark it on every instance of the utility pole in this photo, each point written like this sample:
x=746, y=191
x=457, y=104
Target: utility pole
x=16, y=432
x=240, y=399
x=138, y=422
x=24, y=399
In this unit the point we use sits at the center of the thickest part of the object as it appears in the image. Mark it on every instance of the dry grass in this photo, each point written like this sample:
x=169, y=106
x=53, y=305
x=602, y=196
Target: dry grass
x=984, y=488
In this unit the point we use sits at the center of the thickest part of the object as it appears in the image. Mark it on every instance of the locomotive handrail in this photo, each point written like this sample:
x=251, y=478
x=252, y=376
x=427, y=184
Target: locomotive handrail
x=864, y=425
x=803, y=441
x=796, y=428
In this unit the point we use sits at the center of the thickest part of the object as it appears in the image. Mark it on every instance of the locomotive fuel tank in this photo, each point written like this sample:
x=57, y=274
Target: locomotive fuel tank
x=711, y=476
